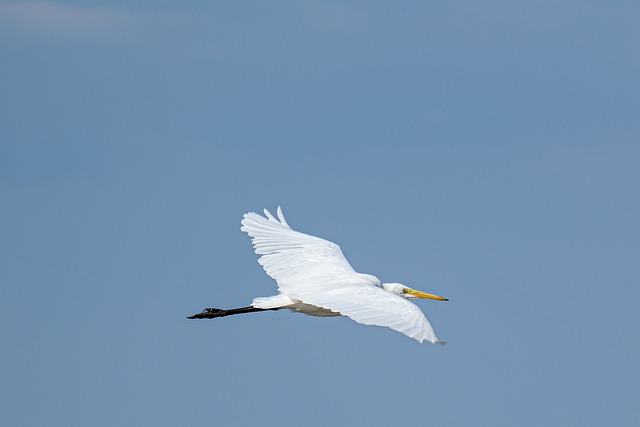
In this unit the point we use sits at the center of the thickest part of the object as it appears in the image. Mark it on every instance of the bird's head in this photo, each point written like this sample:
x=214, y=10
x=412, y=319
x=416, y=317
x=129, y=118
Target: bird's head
x=408, y=293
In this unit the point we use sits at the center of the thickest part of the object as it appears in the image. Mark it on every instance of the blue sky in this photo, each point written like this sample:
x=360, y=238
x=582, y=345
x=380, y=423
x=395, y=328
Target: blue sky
x=487, y=152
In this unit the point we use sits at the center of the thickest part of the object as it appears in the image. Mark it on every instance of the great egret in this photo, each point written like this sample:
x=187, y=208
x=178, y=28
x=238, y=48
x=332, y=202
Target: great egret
x=315, y=278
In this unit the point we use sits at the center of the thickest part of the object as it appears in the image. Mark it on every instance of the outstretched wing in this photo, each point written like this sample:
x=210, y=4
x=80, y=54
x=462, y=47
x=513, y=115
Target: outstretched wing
x=370, y=305
x=314, y=271
x=295, y=260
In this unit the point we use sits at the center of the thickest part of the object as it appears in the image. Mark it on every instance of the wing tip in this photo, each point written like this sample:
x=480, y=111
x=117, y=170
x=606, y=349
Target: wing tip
x=268, y=216
x=283, y=221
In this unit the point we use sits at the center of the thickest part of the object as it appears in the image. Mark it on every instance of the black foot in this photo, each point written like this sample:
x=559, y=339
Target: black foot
x=208, y=313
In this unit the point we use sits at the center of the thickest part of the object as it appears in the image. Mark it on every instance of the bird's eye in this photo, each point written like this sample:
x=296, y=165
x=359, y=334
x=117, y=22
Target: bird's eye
x=404, y=290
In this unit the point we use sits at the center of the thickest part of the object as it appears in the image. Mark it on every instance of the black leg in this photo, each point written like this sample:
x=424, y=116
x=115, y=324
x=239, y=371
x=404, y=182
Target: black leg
x=212, y=313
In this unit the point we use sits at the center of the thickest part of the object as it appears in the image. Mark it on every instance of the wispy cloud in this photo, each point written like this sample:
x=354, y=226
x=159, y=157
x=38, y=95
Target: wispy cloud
x=54, y=19
x=175, y=34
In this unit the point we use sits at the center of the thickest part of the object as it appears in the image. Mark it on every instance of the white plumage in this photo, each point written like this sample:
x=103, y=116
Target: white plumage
x=315, y=278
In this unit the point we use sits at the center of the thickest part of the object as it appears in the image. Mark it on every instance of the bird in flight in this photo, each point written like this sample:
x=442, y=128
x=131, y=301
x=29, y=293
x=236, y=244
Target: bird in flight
x=315, y=278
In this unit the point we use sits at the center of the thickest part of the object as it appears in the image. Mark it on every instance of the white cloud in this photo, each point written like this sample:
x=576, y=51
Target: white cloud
x=175, y=34
x=53, y=19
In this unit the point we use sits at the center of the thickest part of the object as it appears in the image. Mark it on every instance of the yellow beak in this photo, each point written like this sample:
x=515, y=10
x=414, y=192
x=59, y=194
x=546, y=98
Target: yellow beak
x=420, y=294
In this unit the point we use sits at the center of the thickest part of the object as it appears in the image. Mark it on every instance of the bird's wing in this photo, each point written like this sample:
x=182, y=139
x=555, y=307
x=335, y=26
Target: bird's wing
x=315, y=271
x=292, y=258
x=371, y=305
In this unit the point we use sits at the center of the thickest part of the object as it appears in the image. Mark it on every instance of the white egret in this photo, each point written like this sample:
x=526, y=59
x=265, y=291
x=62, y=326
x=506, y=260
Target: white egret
x=315, y=278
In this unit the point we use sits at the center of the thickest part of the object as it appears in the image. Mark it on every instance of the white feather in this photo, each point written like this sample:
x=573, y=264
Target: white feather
x=311, y=271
